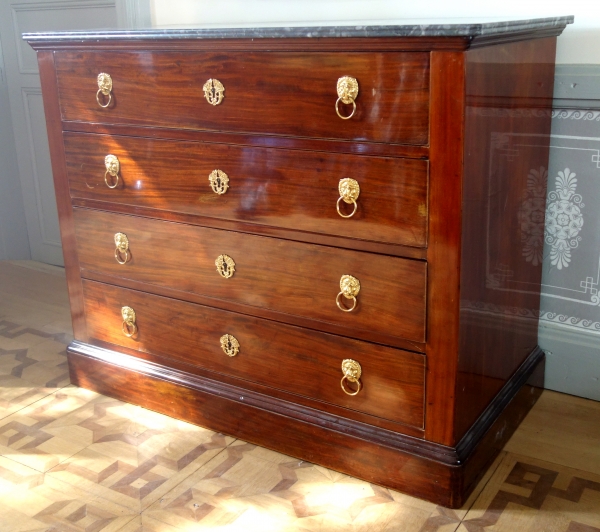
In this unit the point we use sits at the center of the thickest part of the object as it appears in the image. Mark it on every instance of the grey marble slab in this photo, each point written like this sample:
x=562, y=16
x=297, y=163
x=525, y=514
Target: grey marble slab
x=460, y=27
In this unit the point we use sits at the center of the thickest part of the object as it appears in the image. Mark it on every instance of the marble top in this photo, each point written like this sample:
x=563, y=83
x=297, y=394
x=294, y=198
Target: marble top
x=447, y=27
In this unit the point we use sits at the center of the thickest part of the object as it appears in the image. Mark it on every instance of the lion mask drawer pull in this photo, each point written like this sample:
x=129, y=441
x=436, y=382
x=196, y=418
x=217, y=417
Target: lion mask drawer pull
x=350, y=287
x=112, y=165
x=129, y=327
x=105, y=88
x=347, y=90
x=352, y=372
x=349, y=191
x=122, y=254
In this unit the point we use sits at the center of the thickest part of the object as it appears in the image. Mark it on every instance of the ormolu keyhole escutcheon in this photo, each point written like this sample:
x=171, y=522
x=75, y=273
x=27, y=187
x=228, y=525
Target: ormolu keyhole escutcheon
x=214, y=91
x=219, y=181
x=225, y=266
x=230, y=345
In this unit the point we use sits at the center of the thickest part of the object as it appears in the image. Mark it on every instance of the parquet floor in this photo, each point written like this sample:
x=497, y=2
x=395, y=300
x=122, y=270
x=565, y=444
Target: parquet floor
x=73, y=460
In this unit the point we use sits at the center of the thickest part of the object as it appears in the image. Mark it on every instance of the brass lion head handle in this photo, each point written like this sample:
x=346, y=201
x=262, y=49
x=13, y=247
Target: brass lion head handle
x=347, y=91
x=349, y=192
x=112, y=165
x=129, y=327
x=352, y=373
x=214, y=91
x=225, y=266
x=105, y=85
x=122, y=254
x=350, y=287
x=230, y=345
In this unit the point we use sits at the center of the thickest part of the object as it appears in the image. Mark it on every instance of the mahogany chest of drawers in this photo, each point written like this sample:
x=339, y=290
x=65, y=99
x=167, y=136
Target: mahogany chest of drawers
x=320, y=240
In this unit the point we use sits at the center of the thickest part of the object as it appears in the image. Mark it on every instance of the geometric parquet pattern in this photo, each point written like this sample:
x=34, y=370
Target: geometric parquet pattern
x=75, y=461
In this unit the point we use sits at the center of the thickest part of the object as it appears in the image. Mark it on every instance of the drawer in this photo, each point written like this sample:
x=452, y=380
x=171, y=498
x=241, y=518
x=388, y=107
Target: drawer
x=281, y=356
x=287, y=277
x=292, y=94
x=274, y=187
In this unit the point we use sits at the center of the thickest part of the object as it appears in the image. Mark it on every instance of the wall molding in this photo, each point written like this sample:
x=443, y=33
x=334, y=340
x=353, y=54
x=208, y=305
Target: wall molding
x=577, y=87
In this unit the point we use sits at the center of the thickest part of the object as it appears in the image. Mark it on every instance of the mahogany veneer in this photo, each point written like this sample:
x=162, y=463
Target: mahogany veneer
x=446, y=133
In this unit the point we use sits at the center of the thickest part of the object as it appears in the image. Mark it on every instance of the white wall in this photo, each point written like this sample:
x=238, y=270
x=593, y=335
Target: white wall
x=579, y=44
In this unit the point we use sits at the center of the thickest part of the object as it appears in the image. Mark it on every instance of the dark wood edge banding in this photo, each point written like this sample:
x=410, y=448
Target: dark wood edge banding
x=364, y=148
x=379, y=436
x=473, y=436
x=380, y=248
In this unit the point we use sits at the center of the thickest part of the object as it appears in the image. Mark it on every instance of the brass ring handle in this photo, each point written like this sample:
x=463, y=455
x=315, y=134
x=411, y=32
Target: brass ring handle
x=349, y=288
x=346, y=389
x=341, y=307
x=120, y=258
x=346, y=215
x=106, y=180
x=347, y=91
x=98, y=98
x=105, y=88
x=112, y=165
x=352, y=373
x=349, y=191
x=341, y=115
x=129, y=327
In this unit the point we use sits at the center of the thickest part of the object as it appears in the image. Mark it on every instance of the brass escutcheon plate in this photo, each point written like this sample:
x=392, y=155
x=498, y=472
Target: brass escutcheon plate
x=230, y=345
x=214, y=91
x=219, y=181
x=225, y=266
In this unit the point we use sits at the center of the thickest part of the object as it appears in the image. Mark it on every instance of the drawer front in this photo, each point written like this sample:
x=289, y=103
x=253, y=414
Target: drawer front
x=280, y=188
x=292, y=94
x=288, y=358
x=283, y=276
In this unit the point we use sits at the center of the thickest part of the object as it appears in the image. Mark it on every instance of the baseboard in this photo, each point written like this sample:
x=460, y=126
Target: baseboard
x=441, y=474
x=572, y=358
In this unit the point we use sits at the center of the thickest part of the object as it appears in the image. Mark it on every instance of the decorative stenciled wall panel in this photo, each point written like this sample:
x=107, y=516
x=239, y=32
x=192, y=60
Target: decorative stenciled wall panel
x=570, y=316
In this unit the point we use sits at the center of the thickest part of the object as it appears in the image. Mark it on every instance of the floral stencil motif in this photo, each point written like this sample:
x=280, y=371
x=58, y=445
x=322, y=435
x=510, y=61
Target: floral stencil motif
x=563, y=219
x=531, y=216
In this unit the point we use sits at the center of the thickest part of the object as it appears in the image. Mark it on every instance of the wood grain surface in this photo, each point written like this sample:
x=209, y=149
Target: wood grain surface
x=290, y=94
x=281, y=356
x=273, y=187
x=288, y=277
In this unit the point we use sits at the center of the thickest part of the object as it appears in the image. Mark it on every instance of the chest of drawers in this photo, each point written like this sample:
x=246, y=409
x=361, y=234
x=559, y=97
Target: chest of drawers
x=324, y=240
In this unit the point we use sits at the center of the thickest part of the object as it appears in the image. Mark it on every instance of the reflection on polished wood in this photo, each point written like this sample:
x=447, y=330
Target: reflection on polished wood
x=271, y=354
x=280, y=188
x=267, y=93
x=289, y=278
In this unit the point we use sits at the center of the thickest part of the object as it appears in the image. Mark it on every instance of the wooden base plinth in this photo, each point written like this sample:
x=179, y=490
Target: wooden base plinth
x=443, y=475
